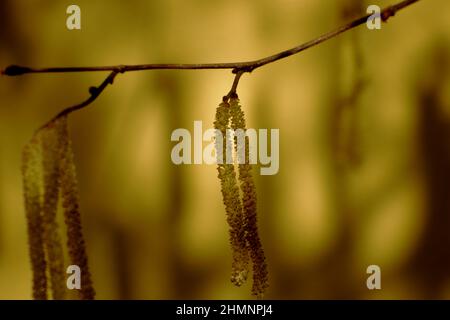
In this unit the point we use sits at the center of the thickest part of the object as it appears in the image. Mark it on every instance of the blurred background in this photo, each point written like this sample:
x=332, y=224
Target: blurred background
x=364, y=125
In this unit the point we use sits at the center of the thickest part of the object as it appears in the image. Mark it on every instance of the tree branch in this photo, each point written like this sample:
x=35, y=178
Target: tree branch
x=247, y=66
x=238, y=68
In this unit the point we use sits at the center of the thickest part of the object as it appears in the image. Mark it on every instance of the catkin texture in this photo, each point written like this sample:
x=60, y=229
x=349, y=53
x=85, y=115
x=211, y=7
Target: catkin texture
x=72, y=218
x=48, y=170
x=51, y=142
x=248, y=189
x=231, y=198
x=31, y=173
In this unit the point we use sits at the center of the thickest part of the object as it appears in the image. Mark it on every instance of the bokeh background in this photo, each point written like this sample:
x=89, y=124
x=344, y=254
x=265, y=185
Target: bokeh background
x=364, y=125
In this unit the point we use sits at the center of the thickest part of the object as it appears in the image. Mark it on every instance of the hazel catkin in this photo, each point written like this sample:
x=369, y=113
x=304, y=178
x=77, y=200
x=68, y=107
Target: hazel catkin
x=248, y=189
x=231, y=198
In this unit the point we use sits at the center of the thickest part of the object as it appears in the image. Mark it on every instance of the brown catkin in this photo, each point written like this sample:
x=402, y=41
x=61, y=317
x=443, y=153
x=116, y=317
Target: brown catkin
x=260, y=274
x=31, y=172
x=231, y=198
x=69, y=191
x=51, y=142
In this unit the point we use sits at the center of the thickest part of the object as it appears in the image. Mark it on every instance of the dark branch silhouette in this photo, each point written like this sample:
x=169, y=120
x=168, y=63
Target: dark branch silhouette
x=247, y=66
x=238, y=68
x=94, y=91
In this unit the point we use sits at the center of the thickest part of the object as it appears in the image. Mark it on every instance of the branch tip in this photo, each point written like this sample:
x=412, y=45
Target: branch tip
x=14, y=70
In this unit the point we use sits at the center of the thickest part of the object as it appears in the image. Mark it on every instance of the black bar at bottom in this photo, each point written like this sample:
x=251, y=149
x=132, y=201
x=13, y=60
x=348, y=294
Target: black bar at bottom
x=222, y=309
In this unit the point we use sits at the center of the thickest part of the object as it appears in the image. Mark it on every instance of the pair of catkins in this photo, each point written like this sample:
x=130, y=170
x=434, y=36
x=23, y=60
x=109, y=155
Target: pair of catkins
x=49, y=174
x=239, y=200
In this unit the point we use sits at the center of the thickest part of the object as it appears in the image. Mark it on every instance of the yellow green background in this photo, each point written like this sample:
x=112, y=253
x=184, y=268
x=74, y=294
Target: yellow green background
x=158, y=231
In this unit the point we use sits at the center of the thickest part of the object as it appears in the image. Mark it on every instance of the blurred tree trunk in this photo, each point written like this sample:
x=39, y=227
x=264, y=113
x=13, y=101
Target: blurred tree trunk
x=430, y=263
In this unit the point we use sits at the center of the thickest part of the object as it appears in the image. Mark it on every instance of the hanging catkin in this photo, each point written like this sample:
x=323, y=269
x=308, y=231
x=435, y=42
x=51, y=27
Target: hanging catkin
x=260, y=274
x=48, y=168
x=69, y=191
x=31, y=172
x=51, y=143
x=231, y=199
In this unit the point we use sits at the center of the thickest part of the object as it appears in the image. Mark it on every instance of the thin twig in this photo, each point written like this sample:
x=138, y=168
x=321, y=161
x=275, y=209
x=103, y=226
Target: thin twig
x=232, y=92
x=94, y=91
x=247, y=66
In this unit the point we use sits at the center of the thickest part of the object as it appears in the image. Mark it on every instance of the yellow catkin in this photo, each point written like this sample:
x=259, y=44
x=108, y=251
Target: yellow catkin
x=231, y=199
x=31, y=172
x=51, y=143
x=69, y=191
x=260, y=274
